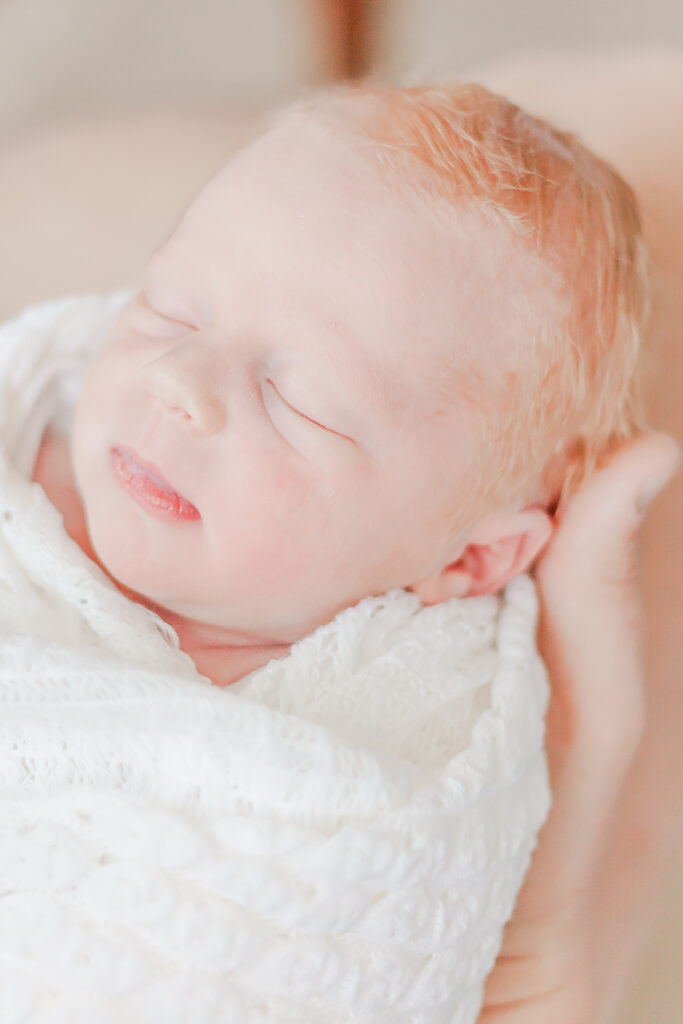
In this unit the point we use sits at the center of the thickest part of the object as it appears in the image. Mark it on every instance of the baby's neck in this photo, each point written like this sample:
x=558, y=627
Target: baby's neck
x=225, y=665
x=221, y=658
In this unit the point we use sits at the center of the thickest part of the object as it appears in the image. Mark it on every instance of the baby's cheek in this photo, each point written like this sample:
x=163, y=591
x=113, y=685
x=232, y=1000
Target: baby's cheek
x=274, y=528
x=100, y=385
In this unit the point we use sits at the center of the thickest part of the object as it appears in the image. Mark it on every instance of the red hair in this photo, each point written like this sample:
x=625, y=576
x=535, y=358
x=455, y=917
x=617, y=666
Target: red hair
x=572, y=392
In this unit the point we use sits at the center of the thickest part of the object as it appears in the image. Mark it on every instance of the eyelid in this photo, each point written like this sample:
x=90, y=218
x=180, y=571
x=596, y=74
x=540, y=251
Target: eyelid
x=174, y=317
x=298, y=412
x=289, y=406
x=315, y=423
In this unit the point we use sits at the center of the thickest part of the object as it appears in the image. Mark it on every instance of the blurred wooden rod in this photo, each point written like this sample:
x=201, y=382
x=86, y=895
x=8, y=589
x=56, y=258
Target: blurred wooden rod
x=347, y=28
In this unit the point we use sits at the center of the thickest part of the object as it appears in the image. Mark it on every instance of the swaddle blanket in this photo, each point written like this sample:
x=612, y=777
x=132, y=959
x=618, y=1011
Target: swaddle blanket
x=339, y=836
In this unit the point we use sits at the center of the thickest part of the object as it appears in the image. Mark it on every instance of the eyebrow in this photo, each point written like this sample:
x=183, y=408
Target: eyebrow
x=456, y=382
x=365, y=376
x=452, y=382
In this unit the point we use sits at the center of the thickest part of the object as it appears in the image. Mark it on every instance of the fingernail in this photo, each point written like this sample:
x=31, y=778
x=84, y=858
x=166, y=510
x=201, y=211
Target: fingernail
x=651, y=489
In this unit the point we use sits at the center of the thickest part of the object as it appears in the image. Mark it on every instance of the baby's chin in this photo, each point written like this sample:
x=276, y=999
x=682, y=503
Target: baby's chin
x=121, y=567
x=124, y=556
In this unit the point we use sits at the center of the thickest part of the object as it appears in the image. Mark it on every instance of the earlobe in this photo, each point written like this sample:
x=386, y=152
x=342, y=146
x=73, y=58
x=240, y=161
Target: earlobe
x=453, y=581
x=512, y=547
x=500, y=548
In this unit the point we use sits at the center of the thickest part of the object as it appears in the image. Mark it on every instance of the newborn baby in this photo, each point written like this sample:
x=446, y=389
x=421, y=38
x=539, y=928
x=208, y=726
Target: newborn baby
x=378, y=349
x=375, y=355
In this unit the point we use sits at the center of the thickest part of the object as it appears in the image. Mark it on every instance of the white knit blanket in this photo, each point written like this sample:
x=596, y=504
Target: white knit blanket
x=338, y=837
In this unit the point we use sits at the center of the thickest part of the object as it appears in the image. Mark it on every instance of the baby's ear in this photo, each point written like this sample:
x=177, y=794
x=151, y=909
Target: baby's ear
x=499, y=547
x=502, y=548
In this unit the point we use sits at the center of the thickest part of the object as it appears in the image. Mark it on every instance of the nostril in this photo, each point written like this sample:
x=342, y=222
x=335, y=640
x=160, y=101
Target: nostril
x=161, y=386
x=188, y=393
x=183, y=414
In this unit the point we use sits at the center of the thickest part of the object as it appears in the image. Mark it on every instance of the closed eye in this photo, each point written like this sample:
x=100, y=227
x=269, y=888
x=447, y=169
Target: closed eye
x=162, y=324
x=303, y=416
x=298, y=412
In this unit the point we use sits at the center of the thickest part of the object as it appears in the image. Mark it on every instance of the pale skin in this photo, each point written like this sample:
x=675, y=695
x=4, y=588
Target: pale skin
x=589, y=893
x=277, y=366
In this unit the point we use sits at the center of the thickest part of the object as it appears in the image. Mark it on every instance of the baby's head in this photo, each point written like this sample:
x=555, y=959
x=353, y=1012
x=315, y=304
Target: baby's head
x=555, y=372
x=379, y=348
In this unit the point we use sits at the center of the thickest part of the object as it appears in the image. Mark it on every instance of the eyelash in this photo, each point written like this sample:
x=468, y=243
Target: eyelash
x=172, y=324
x=296, y=412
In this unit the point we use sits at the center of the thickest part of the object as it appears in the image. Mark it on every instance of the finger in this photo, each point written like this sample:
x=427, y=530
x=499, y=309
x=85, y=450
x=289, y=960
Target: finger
x=606, y=509
x=589, y=637
x=589, y=623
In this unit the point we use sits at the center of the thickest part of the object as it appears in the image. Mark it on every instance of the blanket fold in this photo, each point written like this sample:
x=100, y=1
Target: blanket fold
x=340, y=836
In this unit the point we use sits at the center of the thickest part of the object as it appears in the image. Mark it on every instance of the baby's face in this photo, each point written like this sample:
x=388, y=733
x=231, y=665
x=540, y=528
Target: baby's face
x=280, y=367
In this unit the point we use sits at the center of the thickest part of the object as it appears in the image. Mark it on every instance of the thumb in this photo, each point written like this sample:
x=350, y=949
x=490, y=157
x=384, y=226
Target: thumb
x=590, y=610
x=598, y=520
x=589, y=638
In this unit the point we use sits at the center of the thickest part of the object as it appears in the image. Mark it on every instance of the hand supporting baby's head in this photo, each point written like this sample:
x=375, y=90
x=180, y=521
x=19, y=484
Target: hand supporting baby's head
x=376, y=349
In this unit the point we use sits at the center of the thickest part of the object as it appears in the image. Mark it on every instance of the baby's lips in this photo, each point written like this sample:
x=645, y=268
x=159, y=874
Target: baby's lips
x=131, y=465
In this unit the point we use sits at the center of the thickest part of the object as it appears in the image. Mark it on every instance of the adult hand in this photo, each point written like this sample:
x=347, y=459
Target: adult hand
x=552, y=967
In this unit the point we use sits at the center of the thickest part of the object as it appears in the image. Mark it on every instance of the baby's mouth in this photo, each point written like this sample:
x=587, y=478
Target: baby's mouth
x=148, y=486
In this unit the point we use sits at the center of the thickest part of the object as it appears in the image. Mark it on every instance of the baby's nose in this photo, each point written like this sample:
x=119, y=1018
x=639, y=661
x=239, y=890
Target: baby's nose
x=186, y=388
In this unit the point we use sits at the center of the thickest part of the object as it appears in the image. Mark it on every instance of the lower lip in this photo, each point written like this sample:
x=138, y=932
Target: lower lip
x=154, y=497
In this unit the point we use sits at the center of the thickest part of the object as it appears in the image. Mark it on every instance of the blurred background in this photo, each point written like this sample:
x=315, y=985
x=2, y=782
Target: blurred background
x=114, y=112
x=96, y=96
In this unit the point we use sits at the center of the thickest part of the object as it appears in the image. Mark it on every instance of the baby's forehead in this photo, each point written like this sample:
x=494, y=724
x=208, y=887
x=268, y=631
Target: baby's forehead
x=464, y=293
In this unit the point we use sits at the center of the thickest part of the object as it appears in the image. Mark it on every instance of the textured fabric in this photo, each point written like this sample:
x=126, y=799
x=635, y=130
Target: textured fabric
x=337, y=837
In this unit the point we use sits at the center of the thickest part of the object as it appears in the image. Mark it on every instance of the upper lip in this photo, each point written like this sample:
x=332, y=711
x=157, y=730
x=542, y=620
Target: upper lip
x=147, y=467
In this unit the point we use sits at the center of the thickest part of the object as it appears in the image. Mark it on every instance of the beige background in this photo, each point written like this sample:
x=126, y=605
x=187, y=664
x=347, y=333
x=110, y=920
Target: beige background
x=112, y=112
x=63, y=56
x=430, y=38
